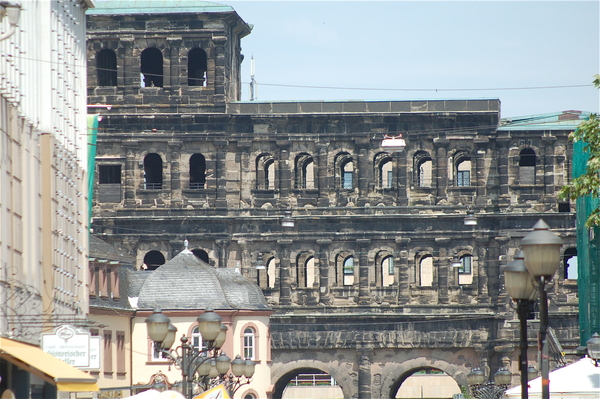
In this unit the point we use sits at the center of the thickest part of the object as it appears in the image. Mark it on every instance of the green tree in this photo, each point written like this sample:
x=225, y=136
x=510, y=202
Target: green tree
x=588, y=184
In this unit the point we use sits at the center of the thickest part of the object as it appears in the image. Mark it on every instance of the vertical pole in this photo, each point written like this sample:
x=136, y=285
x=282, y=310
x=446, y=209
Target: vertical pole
x=184, y=369
x=523, y=310
x=542, y=338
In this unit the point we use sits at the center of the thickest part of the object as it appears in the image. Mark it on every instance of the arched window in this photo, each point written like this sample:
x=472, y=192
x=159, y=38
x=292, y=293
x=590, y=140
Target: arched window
x=463, y=171
x=265, y=172
x=201, y=254
x=344, y=169
x=426, y=271
x=271, y=273
x=387, y=271
x=249, y=343
x=249, y=396
x=570, y=263
x=152, y=68
x=423, y=166
x=304, y=171
x=527, y=161
x=305, y=270
x=465, y=272
x=384, y=174
x=106, y=67
x=197, y=67
x=152, y=260
x=348, y=271
x=152, y=172
x=197, y=171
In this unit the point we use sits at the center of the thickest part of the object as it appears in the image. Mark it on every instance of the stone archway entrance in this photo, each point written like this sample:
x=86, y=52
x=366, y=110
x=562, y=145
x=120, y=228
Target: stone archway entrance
x=425, y=383
x=307, y=383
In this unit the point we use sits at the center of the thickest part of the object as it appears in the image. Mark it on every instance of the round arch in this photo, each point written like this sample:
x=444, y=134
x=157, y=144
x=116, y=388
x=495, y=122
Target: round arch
x=392, y=382
x=286, y=373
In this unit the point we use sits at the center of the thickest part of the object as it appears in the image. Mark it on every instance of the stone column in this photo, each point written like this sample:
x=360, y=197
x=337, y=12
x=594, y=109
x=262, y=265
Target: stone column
x=221, y=252
x=402, y=179
x=364, y=373
x=480, y=171
x=285, y=291
x=324, y=179
x=220, y=79
x=175, y=181
x=548, y=160
x=364, y=296
x=131, y=170
x=283, y=172
x=220, y=173
x=403, y=278
x=482, y=270
x=441, y=169
x=324, y=296
x=442, y=270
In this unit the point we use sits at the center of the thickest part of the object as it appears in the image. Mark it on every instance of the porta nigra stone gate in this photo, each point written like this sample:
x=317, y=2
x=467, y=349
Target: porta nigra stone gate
x=362, y=285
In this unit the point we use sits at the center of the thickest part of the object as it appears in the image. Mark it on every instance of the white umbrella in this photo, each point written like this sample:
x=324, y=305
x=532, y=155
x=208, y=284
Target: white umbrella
x=577, y=380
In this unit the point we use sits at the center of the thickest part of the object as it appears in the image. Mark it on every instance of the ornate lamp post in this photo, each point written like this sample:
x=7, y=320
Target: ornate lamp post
x=488, y=390
x=519, y=284
x=204, y=367
x=593, y=348
x=541, y=248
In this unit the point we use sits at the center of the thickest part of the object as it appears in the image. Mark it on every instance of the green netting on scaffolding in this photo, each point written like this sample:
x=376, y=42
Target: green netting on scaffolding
x=588, y=255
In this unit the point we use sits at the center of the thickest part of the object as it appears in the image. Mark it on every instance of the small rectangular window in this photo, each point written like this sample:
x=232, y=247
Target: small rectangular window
x=109, y=174
x=463, y=178
x=347, y=181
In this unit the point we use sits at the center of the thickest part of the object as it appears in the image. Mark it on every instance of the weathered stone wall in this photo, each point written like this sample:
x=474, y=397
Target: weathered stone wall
x=399, y=306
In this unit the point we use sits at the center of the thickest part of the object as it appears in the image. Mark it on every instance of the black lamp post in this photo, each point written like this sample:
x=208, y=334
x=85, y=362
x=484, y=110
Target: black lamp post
x=541, y=248
x=205, y=367
x=519, y=284
x=488, y=390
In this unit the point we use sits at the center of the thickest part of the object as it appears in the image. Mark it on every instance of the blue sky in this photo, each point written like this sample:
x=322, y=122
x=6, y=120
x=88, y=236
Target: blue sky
x=410, y=49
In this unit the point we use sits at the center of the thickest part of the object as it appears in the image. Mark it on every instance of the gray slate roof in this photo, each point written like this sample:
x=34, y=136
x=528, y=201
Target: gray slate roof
x=185, y=282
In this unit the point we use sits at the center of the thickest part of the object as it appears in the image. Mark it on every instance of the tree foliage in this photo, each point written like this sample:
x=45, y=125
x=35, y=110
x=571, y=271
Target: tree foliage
x=588, y=184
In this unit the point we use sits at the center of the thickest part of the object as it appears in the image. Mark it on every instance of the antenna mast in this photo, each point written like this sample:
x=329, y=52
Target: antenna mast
x=252, y=81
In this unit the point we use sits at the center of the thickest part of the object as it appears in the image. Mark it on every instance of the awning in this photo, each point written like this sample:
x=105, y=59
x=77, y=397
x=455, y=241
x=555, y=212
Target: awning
x=56, y=372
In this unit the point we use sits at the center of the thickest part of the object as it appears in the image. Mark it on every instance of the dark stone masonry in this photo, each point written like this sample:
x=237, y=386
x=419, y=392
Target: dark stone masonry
x=362, y=285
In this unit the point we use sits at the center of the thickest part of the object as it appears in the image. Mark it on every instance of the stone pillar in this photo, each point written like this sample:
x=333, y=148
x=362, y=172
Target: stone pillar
x=482, y=270
x=502, y=159
x=220, y=78
x=175, y=180
x=441, y=169
x=283, y=171
x=364, y=295
x=285, y=290
x=363, y=172
x=364, y=373
x=480, y=171
x=442, y=270
x=220, y=173
x=403, y=278
x=131, y=170
x=246, y=267
x=324, y=296
x=548, y=160
x=222, y=252
x=402, y=180
x=323, y=177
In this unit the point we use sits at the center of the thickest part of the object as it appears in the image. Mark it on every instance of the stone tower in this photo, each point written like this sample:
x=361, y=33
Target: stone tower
x=177, y=56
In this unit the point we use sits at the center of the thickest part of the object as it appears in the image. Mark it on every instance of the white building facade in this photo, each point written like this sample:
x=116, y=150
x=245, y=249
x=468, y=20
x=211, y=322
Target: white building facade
x=43, y=170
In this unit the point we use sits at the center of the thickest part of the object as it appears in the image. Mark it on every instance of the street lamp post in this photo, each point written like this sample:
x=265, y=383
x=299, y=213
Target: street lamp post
x=519, y=284
x=541, y=249
x=206, y=367
x=593, y=348
x=488, y=390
